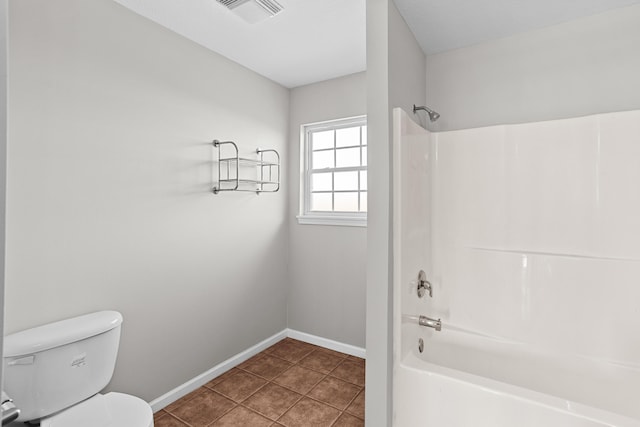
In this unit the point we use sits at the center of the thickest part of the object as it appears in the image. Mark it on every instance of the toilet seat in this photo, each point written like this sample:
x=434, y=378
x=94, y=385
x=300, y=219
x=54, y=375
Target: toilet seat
x=104, y=410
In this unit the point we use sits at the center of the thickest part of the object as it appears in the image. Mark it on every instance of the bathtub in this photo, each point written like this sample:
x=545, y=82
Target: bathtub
x=463, y=379
x=540, y=325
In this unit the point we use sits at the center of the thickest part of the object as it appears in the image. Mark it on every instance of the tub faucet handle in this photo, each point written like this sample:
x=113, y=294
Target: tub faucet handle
x=424, y=285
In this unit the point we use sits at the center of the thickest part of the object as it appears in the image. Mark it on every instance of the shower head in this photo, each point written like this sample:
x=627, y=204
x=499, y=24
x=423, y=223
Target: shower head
x=433, y=115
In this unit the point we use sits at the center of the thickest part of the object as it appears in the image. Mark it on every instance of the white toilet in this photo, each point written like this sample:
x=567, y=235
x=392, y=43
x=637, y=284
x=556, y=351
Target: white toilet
x=54, y=372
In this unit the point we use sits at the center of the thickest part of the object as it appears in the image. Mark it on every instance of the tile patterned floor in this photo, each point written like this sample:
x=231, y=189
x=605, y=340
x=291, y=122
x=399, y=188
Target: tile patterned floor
x=290, y=384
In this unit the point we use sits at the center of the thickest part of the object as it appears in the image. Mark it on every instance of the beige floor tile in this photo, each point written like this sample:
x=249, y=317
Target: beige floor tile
x=267, y=366
x=272, y=400
x=242, y=417
x=184, y=399
x=222, y=377
x=167, y=420
x=203, y=409
x=290, y=384
x=308, y=412
x=356, y=407
x=349, y=371
x=290, y=350
x=335, y=392
x=347, y=420
x=321, y=361
x=239, y=386
x=299, y=379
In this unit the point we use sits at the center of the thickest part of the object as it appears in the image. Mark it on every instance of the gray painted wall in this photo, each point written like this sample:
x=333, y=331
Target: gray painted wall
x=109, y=203
x=583, y=67
x=395, y=78
x=3, y=157
x=406, y=69
x=327, y=264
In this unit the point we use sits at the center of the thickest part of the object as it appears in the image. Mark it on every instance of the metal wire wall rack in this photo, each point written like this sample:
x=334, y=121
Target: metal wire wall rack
x=235, y=173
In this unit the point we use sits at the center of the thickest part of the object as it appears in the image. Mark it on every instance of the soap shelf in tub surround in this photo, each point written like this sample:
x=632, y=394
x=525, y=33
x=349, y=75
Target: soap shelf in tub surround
x=260, y=174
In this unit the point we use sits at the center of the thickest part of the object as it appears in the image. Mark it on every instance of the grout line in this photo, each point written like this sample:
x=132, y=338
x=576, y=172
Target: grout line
x=353, y=400
x=324, y=375
x=353, y=415
x=278, y=417
x=231, y=409
x=257, y=390
x=216, y=371
x=326, y=403
x=329, y=404
x=180, y=419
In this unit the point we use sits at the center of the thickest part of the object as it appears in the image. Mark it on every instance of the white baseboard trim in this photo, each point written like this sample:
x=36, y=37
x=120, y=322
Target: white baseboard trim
x=221, y=368
x=327, y=343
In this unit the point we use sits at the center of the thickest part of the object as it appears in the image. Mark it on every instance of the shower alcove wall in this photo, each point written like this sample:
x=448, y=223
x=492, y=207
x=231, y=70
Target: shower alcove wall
x=530, y=236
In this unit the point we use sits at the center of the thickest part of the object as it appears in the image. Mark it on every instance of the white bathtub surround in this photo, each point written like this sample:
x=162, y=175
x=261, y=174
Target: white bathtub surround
x=534, y=260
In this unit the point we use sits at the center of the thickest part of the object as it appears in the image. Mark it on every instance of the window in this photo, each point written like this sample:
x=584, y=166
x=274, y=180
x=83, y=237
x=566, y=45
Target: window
x=334, y=173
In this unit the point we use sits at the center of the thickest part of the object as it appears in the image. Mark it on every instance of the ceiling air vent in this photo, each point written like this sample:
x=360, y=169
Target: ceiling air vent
x=253, y=11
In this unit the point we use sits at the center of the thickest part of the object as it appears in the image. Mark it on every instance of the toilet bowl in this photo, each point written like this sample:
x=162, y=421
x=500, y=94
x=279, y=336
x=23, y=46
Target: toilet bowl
x=54, y=374
x=104, y=410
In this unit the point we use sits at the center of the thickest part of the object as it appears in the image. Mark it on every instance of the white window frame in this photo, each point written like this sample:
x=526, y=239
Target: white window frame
x=306, y=216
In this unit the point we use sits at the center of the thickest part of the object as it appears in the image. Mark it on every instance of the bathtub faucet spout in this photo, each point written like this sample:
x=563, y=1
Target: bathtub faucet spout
x=430, y=323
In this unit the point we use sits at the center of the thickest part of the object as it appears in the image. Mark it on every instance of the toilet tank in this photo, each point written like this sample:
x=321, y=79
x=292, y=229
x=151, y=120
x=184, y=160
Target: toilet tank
x=54, y=366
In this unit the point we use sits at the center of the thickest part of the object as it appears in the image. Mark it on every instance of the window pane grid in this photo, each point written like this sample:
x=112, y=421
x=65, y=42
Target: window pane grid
x=359, y=185
x=335, y=157
x=335, y=179
x=359, y=199
x=342, y=169
x=333, y=185
x=342, y=147
x=338, y=191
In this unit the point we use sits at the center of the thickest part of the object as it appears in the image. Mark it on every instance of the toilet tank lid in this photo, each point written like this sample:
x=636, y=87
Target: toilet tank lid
x=60, y=333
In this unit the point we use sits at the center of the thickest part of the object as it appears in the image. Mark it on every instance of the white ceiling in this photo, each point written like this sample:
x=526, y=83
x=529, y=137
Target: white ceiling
x=315, y=40
x=309, y=41
x=441, y=25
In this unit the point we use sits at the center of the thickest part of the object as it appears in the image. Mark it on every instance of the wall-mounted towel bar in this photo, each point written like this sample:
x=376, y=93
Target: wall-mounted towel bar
x=235, y=173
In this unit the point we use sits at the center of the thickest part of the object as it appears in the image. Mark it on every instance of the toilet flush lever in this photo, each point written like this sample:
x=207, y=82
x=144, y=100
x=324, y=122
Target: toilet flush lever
x=424, y=285
x=9, y=410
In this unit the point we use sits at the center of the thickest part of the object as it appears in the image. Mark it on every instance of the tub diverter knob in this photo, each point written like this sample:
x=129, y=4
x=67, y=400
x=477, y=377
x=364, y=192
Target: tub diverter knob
x=424, y=285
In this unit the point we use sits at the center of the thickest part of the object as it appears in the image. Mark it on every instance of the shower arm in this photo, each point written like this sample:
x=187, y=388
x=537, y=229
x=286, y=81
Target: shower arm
x=433, y=115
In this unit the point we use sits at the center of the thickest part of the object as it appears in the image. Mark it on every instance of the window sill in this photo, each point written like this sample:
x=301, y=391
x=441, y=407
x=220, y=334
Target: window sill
x=346, y=221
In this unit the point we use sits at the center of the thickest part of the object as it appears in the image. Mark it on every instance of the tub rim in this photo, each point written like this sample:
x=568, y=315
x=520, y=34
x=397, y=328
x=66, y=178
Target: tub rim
x=412, y=362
